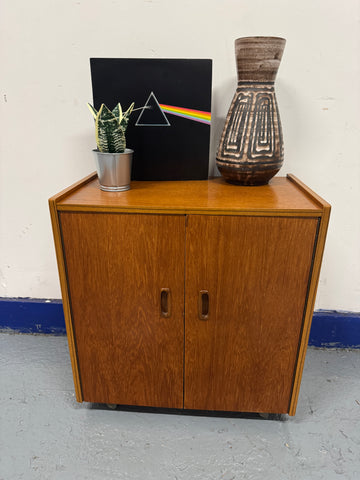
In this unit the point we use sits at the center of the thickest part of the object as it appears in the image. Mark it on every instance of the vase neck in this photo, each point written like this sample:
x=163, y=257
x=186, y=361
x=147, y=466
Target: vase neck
x=258, y=58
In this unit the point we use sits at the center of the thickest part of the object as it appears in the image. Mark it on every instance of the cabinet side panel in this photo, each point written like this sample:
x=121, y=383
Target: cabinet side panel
x=256, y=270
x=318, y=254
x=65, y=297
x=129, y=352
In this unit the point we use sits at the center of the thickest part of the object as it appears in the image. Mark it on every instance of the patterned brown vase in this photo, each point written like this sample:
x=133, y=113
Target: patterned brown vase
x=251, y=146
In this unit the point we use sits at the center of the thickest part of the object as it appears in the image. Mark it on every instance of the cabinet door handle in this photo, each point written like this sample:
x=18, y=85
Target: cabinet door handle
x=203, y=304
x=165, y=302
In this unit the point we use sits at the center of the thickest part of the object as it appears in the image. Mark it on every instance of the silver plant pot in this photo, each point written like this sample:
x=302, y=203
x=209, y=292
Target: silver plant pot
x=114, y=170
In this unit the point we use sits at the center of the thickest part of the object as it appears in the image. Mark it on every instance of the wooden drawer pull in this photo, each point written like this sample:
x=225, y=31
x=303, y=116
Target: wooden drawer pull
x=203, y=305
x=165, y=302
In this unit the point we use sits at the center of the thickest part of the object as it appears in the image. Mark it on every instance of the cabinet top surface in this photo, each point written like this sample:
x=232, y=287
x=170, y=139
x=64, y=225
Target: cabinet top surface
x=283, y=194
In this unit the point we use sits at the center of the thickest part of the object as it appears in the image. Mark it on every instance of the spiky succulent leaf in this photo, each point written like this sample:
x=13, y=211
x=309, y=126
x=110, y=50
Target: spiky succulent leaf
x=126, y=117
x=92, y=110
x=110, y=136
x=118, y=112
x=129, y=110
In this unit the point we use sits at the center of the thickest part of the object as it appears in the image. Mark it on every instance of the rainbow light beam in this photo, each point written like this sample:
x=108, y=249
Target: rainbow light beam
x=189, y=113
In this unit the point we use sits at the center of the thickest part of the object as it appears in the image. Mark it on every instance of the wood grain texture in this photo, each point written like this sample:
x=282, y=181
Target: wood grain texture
x=117, y=265
x=256, y=271
x=65, y=297
x=121, y=275
x=209, y=197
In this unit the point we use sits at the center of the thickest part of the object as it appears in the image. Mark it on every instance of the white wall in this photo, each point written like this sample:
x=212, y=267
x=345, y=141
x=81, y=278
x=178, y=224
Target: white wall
x=47, y=133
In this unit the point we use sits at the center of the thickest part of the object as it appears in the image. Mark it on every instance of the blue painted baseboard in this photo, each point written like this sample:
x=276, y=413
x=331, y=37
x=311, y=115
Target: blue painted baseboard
x=32, y=315
x=330, y=329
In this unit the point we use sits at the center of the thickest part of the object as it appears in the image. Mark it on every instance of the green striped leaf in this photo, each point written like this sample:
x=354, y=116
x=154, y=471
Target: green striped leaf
x=126, y=117
x=92, y=110
x=118, y=112
x=110, y=136
x=110, y=127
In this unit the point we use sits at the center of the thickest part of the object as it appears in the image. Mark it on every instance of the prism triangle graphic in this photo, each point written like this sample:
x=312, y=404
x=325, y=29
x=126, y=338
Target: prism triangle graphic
x=151, y=114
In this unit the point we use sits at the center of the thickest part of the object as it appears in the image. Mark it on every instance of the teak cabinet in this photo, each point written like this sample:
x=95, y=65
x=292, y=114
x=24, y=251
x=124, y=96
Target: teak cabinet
x=195, y=294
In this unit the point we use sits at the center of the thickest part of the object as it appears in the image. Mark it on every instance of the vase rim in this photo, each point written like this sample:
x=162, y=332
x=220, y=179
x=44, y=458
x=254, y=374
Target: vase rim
x=261, y=37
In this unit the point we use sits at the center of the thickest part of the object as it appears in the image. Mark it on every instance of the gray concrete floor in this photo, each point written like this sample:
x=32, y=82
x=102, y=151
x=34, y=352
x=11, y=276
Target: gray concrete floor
x=46, y=434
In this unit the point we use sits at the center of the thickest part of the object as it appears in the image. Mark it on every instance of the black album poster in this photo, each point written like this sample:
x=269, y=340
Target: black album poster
x=169, y=129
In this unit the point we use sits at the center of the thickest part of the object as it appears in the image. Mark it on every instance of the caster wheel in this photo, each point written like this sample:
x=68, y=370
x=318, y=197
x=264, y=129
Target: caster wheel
x=111, y=406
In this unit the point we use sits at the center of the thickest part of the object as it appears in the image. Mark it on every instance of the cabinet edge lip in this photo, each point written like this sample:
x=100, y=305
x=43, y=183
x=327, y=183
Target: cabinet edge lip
x=323, y=206
x=72, y=188
x=308, y=192
x=188, y=211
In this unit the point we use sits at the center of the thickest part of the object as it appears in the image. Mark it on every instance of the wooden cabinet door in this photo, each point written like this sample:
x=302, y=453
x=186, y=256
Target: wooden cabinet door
x=256, y=270
x=126, y=282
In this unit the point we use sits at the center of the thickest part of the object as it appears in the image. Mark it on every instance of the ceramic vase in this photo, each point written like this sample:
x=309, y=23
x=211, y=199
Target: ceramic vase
x=251, y=148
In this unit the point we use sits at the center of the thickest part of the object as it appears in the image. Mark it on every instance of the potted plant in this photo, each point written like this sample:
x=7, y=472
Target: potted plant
x=113, y=159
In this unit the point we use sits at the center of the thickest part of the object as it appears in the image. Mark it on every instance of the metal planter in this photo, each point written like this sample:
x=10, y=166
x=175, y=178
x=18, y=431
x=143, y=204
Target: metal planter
x=114, y=170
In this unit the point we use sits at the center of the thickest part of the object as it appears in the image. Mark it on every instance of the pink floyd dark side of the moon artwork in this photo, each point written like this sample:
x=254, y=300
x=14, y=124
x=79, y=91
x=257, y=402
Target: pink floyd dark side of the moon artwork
x=169, y=129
